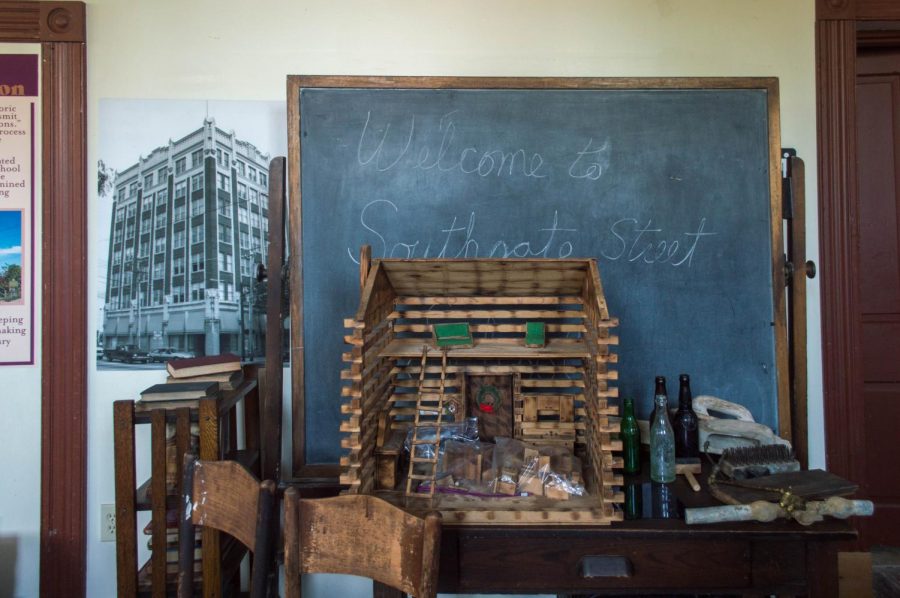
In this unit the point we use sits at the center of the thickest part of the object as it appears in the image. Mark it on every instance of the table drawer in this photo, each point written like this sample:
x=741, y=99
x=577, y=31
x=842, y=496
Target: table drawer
x=575, y=564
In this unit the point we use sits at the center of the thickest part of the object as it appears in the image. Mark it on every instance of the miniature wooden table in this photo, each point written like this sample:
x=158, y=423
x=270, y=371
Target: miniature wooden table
x=643, y=557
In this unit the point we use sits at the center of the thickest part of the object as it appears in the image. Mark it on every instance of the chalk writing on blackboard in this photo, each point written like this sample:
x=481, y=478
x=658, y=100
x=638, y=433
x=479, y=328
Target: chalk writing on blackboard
x=447, y=155
x=628, y=239
x=633, y=243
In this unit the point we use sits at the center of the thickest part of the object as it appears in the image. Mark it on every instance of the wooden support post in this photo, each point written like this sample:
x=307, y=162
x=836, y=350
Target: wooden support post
x=158, y=500
x=126, y=518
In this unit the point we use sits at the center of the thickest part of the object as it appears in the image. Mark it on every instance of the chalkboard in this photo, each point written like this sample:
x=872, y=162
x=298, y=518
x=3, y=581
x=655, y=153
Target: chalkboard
x=670, y=184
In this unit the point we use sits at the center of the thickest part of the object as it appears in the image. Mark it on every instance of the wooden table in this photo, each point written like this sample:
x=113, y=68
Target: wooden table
x=644, y=557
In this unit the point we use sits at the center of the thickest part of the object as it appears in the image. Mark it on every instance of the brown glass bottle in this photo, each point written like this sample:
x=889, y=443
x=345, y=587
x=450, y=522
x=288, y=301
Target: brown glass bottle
x=685, y=423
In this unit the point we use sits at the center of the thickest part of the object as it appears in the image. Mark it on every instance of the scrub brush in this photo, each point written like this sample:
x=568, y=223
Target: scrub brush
x=756, y=461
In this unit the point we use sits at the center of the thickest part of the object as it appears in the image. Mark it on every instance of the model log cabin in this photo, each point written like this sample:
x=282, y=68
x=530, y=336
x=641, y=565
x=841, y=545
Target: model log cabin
x=523, y=346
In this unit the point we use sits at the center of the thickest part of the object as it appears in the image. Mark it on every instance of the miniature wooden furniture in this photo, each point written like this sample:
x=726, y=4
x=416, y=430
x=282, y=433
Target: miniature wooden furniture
x=360, y=535
x=556, y=394
x=223, y=495
x=423, y=459
x=216, y=418
x=453, y=334
x=535, y=334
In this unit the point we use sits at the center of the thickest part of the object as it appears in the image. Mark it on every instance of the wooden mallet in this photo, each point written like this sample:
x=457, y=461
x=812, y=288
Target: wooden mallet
x=688, y=466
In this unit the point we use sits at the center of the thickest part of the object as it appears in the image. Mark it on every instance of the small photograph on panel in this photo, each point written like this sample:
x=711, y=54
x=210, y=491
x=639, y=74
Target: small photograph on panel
x=183, y=196
x=11, y=257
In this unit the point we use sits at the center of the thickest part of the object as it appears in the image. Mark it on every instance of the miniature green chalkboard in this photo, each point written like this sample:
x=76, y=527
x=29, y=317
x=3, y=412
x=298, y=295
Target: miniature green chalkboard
x=452, y=334
x=671, y=184
x=535, y=335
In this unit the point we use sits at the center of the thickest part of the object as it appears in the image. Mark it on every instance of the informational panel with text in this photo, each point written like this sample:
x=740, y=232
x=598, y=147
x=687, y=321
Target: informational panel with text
x=19, y=182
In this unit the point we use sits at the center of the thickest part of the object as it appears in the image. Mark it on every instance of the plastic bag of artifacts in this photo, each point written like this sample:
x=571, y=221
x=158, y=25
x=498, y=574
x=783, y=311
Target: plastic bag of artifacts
x=527, y=470
x=506, y=469
x=466, y=467
x=465, y=431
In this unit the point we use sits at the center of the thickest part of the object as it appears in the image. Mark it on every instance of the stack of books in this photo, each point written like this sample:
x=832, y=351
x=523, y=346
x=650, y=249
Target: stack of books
x=172, y=544
x=196, y=378
x=189, y=381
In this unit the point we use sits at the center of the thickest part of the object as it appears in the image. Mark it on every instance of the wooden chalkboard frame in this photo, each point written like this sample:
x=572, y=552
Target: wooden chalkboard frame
x=295, y=83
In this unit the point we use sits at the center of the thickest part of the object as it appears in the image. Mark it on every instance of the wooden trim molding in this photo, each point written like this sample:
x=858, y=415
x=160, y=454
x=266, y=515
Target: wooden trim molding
x=857, y=10
x=835, y=9
x=60, y=28
x=42, y=22
x=878, y=39
x=64, y=316
x=836, y=116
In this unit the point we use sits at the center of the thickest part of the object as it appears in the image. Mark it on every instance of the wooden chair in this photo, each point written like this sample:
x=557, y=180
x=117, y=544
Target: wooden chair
x=224, y=496
x=360, y=535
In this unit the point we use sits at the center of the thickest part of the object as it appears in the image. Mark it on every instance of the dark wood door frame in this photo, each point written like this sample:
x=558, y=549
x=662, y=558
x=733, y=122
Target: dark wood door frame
x=840, y=26
x=60, y=29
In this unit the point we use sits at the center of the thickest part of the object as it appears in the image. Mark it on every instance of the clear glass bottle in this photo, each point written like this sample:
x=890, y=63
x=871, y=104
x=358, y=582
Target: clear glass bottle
x=685, y=424
x=631, y=439
x=663, y=503
x=662, y=445
x=660, y=390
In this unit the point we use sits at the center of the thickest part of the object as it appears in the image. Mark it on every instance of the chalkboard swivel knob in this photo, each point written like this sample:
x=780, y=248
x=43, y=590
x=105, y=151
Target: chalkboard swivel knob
x=788, y=272
x=810, y=269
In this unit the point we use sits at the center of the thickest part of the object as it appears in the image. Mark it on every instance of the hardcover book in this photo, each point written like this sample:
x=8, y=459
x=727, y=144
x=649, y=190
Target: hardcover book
x=226, y=380
x=201, y=366
x=179, y=391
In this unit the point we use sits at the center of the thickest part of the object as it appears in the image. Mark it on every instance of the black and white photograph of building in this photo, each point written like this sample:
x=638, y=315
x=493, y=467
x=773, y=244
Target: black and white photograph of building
x=184, y=192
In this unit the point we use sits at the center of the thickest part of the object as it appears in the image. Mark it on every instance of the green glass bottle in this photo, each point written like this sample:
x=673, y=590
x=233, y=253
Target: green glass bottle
x=634, y=505
x=631, y=439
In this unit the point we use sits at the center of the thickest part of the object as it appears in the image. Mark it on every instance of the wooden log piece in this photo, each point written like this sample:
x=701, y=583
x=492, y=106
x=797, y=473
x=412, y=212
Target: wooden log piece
x=688, y=466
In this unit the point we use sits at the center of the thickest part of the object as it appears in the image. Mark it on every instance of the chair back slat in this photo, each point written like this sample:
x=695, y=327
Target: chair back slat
x=361, y=535
x=224, y=493
x=224, y=496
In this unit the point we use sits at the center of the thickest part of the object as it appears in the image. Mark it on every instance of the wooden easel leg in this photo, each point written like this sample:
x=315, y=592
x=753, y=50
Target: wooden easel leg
x=797, y=311
x=270, y=393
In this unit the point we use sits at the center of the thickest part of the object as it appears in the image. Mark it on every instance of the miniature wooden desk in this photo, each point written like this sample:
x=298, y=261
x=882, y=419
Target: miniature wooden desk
x=652, y=556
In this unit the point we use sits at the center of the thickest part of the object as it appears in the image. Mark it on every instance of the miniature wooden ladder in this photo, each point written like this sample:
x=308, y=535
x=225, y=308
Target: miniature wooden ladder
x=428, y=403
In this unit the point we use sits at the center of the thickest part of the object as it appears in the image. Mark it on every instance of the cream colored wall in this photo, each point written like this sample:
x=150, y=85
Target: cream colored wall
x=243, y=50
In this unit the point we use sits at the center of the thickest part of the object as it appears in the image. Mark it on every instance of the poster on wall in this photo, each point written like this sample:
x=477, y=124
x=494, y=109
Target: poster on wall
x=19, y=115
x=182, y=193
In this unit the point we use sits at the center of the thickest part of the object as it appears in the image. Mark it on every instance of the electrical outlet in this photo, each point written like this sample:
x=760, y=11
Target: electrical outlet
x=107, y=523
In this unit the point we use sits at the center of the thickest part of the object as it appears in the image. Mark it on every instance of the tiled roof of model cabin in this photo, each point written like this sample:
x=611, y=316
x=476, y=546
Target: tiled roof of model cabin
x=491, y=278
x=497, y=297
